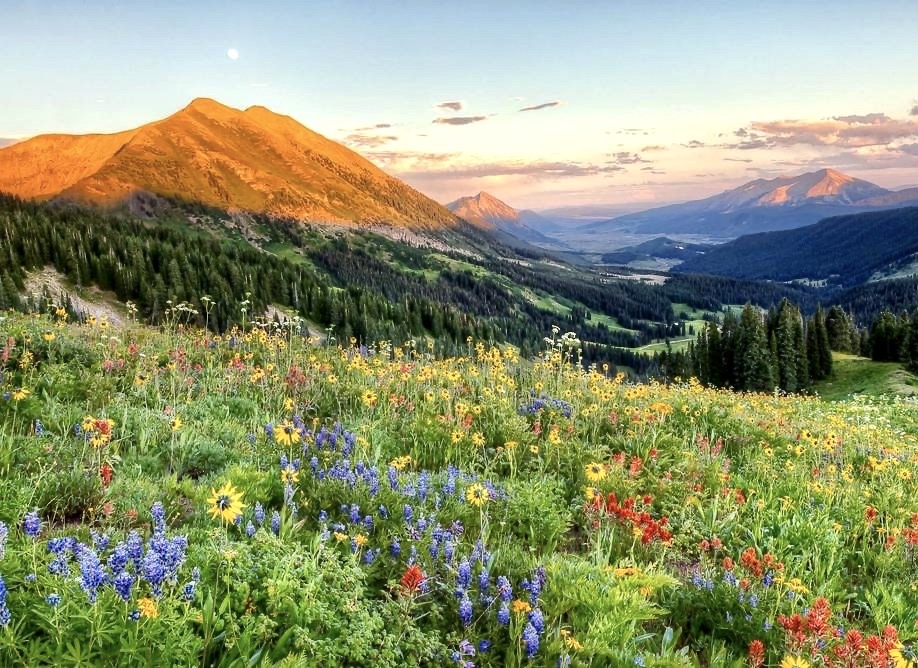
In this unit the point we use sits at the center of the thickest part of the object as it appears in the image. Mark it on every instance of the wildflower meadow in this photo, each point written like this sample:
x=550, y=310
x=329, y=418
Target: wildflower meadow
x=171, y=497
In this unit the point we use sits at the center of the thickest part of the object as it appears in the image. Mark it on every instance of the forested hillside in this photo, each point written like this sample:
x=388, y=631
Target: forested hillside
x=843, y=251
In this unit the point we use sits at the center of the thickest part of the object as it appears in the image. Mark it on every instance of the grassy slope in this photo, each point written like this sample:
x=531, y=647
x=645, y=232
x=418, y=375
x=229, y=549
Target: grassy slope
x=860, y=375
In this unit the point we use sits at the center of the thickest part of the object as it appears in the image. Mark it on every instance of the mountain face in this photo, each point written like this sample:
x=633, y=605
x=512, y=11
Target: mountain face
x=842, y=251
x=487, y=212
x=763, y=205
x=208, y=153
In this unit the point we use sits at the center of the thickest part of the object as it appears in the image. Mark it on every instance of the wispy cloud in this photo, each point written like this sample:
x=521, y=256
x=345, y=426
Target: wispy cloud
x=852, y=131
x=695, y=144
x=627, y=158
x=653, y=147
x=459, y=120
x=455, y=105
x=914, y=111
x=544, y=105
x=435, y=170
x=868, y=119
x=738, y=159
x=362, y=140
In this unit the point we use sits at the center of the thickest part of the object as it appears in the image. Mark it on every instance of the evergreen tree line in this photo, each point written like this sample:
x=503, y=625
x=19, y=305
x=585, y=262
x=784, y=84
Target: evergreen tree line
x=758, y=351
x=895, y=339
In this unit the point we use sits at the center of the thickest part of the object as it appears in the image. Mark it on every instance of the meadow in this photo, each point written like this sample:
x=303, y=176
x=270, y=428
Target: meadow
x=262, y=498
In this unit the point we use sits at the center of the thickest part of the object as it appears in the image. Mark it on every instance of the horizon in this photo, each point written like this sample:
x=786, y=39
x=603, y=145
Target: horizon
x=618, y=107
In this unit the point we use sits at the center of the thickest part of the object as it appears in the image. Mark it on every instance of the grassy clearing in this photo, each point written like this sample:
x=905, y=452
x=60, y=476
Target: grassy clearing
x=860, y=375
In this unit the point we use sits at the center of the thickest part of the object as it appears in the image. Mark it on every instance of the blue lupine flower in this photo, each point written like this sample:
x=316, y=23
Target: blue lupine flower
x=530, y=641
x=259, y=513
x=31, y=524
x=395, y=549
x=154, y=571
x=465, y=611
x=449, y=549
x=53, y=600
x=408, y=512
x=484, y=581
x=250, y=529
x=423, y=486
x=537, y=620
x=92, y=574
x=123, y=583
x=639, y=660
x=100, y=541
x=188, y=590
x=59, y=566
x=159, y=517
x=464, y=574
x=484, y=645
x=31, y=577
x=4, y=532
x=466, y=648
x=505, y=588
x=503, y=615
x=276, y=523
x=134, y=616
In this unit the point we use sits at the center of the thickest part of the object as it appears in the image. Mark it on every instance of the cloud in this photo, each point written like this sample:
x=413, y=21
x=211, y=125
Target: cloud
x=534, y=170
x=633, y=131
x=455, y=105
x=7, y=142
x=742, y=132
x=852, y=131
x=653, y=147
x=738, y=159
x=544, y=105
x=914, y=111
x=864, y=118
x=459, y=120
x=909, y=149
x=378, y=126
x=626, y=158
x=695, y=144
x=368, y=141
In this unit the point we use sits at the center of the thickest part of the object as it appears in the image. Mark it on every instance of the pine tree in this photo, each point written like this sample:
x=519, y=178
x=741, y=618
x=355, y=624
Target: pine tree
x=752, y=358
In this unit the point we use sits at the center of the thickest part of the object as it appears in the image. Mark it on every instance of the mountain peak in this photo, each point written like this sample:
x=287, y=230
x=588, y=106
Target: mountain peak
x=212, y=154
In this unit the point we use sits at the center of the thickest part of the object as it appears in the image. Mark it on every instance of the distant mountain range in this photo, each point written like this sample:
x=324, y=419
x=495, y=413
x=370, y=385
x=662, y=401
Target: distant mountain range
x=253, y=160
x=843, y=251
x=764, y=205
x=487, y=212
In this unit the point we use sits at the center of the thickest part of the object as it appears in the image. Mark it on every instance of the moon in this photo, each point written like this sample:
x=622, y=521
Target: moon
x=232, y=54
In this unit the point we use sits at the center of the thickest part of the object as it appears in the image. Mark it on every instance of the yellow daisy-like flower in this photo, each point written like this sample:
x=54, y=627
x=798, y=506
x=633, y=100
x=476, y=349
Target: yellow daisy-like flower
x=340, y=537
x=360, y=540
x=456, y=436
x=478, y=439
x=288, y=405
x=899, y=660
x=176, y=423
x=477, y=494
x=369, y=398
x=89, y=424
x=225, y=503
x=49, y=336
x=286, y=434
x=794, y=662
x=148, y=608
x=289, y=475
x=595, y=472
x=20, y=394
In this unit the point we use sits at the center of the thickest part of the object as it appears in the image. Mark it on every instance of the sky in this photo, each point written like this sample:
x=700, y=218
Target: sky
x=542, y=104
